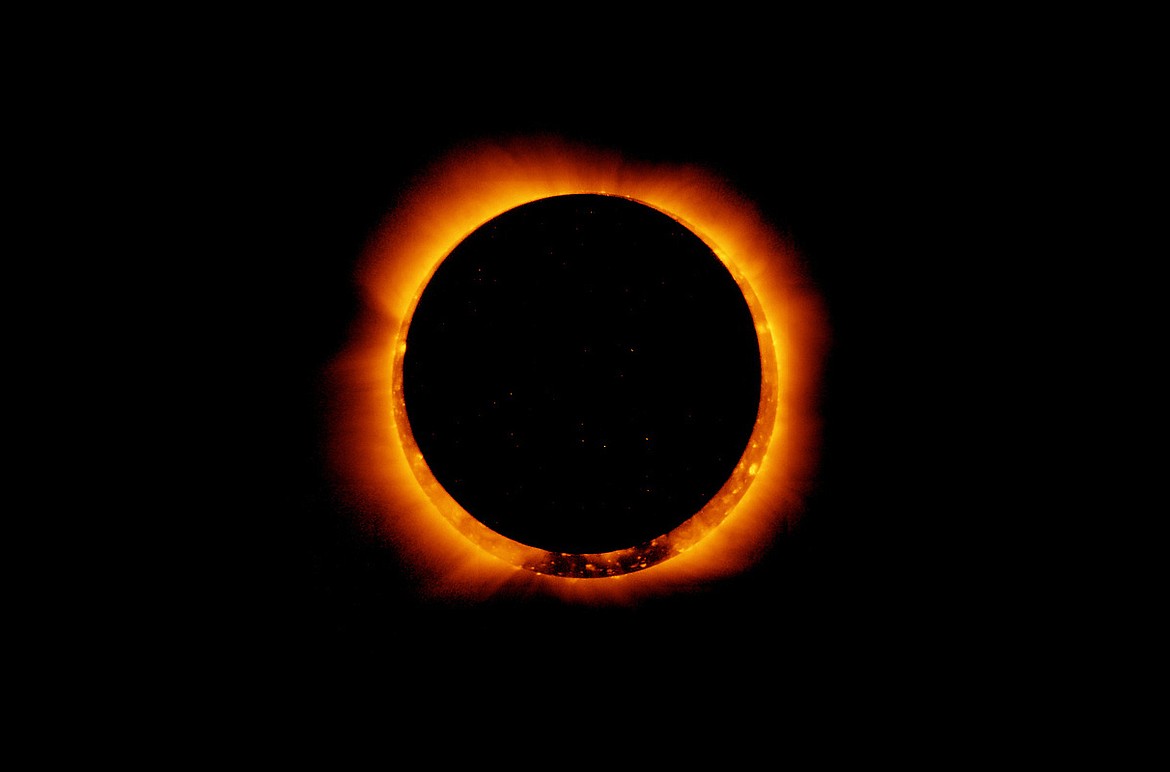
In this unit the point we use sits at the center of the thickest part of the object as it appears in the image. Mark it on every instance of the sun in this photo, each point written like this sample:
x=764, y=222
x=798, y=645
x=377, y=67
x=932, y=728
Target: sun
x=379, y=464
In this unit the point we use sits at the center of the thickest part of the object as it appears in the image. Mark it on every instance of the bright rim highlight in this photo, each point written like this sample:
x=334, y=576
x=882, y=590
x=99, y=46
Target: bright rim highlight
x=453, y=554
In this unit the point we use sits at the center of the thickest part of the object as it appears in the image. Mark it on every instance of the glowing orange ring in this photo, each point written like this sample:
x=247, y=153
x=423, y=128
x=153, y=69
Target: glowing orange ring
x=381, y=462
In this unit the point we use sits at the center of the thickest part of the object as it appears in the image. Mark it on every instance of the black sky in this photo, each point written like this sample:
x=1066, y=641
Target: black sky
x=846, y=168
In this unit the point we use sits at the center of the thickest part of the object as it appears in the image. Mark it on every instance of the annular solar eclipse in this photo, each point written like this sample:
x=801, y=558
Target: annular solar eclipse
x=616, y=406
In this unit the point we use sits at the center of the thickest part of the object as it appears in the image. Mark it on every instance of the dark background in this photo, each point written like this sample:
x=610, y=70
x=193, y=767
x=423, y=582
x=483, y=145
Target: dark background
x=862, y=168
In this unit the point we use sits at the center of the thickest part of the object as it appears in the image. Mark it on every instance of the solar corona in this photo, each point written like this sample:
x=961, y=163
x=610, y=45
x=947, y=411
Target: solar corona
x=418, y=507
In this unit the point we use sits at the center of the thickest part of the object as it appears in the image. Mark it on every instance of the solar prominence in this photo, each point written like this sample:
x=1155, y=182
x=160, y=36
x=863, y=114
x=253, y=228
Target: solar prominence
x=380, y=464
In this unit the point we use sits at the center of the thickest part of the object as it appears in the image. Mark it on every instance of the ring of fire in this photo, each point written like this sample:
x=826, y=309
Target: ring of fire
x=379, y=461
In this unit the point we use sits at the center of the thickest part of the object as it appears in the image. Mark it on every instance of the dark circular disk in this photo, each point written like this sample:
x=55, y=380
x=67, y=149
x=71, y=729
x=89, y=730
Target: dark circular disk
x=582, y=374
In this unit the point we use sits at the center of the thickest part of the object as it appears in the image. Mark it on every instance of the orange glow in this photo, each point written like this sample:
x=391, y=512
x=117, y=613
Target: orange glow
x=452, y=554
